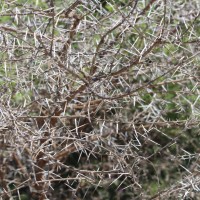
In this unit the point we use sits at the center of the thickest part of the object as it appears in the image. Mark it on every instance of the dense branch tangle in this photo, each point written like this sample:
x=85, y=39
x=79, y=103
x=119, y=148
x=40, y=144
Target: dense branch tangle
x=90, y=92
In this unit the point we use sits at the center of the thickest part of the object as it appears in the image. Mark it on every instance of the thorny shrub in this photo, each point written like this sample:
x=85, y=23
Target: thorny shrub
x=99, y=99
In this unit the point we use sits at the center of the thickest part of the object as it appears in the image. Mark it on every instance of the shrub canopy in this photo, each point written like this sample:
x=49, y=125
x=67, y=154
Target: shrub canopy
x=99, y=99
